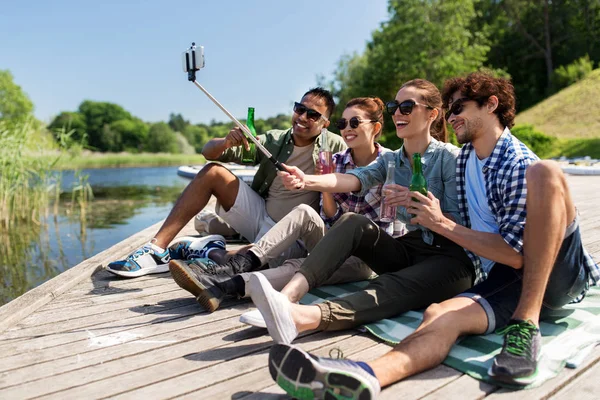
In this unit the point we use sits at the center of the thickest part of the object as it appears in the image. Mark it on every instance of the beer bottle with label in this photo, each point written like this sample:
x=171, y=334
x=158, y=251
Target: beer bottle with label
x=249, y=156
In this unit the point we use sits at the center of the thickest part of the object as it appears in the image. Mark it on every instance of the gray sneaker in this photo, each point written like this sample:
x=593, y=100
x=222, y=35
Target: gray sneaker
x=517, y=362
x=305, y=376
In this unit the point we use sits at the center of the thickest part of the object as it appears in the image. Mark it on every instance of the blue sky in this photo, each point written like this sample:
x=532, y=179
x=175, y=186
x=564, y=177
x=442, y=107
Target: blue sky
x=259, y=53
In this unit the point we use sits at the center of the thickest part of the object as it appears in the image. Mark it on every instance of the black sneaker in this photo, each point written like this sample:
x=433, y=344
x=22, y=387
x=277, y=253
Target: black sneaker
x=517, y=362
x=238, y=263
x=203, y=278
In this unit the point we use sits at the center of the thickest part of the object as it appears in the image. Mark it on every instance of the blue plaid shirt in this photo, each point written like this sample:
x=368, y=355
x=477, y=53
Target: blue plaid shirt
x=367, y=204
x=506, y=189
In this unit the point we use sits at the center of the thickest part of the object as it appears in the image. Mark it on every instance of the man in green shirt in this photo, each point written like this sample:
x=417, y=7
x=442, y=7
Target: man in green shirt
x=251, y=211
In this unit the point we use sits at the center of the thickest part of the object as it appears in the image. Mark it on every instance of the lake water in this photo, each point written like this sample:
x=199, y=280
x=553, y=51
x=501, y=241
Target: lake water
x=126, y=200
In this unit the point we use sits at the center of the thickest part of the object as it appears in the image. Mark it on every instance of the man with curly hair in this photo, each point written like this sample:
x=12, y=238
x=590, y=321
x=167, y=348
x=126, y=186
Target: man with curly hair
x=521, y=227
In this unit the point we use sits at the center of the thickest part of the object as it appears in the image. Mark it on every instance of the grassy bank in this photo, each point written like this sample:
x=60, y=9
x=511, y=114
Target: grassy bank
x=88, y=159
x=569, y=114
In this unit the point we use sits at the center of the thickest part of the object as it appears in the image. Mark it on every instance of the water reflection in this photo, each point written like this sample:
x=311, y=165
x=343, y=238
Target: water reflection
x=124, y=203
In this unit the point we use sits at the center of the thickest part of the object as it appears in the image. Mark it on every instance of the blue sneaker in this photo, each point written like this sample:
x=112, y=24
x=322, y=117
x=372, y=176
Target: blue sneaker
x=148, y=259
x=189, y=247
x=305, y=376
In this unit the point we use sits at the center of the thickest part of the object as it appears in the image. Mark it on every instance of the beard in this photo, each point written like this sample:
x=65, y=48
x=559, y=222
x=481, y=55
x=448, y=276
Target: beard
x=469, y=131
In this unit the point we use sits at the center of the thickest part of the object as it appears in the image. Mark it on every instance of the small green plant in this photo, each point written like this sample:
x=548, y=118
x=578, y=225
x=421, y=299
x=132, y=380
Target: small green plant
x=540, y=144
x=567, y=75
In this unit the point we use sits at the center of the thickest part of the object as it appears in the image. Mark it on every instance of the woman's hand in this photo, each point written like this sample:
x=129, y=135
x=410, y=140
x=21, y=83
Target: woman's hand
x=318, y=168
x=396, y=195
x=293, y=179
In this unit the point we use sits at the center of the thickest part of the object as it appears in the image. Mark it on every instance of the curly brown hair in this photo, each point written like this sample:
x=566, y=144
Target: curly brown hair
x=373, y=106
x=430, y=95
x=479, y=86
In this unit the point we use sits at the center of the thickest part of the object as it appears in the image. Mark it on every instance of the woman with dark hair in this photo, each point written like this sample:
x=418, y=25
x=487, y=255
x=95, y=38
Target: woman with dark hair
x=414, y=270
x=361, y=124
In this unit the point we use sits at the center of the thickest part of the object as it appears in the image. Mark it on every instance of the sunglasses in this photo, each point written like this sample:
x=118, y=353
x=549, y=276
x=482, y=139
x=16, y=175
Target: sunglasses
x=354, y=122
x=456, y=108
x=310, y=113
x=406, y=107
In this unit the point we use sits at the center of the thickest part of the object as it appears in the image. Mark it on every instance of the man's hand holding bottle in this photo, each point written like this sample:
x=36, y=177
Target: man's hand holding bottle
x=235, y=138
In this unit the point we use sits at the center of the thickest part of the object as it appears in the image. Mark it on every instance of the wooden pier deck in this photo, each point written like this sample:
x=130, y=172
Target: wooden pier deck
x=87, y=334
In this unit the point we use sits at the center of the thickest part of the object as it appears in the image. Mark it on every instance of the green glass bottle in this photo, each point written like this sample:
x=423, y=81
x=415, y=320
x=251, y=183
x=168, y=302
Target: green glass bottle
x=418, y=183
x=249, y=156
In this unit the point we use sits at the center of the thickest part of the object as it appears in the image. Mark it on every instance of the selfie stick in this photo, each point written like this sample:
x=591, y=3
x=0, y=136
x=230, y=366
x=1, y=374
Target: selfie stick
x=193, y=62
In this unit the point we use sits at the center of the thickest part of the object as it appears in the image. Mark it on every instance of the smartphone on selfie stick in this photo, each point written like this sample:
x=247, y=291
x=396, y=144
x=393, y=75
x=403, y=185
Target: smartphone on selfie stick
x=193, y=60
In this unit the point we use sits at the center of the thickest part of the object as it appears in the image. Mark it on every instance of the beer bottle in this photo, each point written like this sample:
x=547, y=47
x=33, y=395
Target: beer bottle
x=249, y=156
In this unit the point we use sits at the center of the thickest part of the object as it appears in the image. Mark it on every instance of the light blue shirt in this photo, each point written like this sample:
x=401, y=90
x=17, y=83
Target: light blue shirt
x=481, y=216
x=439, y=169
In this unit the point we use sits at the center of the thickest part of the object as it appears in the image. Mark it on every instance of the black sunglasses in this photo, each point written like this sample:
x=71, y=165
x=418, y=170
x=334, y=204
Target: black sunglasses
x=311, y=114
x=456, y=108
x=354, y=122
x=406, y=107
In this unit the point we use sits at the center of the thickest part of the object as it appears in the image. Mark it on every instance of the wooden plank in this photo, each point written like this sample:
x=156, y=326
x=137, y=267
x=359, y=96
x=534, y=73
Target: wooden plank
x=464, y=387
x=84, y=366
x=260, y=378
x=100, y=304
x=584, y=387
x=109, y=328
x=187, y=363
x=128, y=309
x=209, y=373
x=129, y=333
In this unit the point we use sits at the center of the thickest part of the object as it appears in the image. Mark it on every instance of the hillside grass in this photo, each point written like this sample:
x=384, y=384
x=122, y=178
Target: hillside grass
x=572, y=113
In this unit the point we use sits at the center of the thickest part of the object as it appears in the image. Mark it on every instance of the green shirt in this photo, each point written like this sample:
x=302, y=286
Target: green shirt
x=280, y=144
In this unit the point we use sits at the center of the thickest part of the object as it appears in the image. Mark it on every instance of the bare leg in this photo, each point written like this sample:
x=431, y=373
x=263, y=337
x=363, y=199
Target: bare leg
x=550, y=210
x=212, y=180
x=430, y=344
x=296, y=288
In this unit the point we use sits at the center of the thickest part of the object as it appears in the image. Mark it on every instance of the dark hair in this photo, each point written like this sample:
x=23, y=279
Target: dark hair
x=373, y=106
x=324, y=95
x=430, y=95
x=479, y=86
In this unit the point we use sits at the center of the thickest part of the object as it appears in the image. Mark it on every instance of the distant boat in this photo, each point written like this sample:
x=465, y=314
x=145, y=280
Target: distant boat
x=580, y=166
x=581, y=169
x=245, y=173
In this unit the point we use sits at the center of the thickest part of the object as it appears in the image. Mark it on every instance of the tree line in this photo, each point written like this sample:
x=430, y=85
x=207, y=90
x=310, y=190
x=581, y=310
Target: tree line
x=108, y=127
x=542, y=45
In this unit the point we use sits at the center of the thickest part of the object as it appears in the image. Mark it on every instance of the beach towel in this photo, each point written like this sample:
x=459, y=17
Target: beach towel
x=567, y=337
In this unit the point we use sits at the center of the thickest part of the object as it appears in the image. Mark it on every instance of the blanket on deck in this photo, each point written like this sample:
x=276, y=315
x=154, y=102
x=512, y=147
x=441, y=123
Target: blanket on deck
x=566, y=338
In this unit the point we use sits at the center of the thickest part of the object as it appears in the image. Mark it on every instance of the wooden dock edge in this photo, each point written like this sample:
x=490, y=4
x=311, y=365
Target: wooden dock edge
x=19, y=308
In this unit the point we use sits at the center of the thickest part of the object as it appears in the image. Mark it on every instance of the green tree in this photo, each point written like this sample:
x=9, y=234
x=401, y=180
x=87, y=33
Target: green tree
x=422, y=39
x=531, y=40
x=132, y=134
x=196, y=135
x=97, y=115
x=68, y=121
x=15, y=105
x=161, y=139
x=177, y=122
